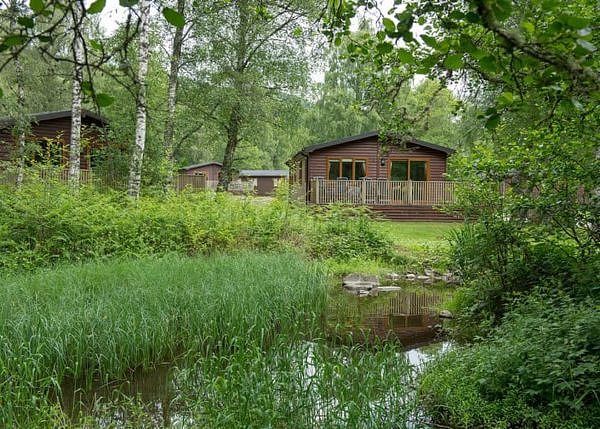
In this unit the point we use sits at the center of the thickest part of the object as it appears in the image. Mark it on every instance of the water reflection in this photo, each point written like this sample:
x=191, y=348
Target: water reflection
x=410, y=317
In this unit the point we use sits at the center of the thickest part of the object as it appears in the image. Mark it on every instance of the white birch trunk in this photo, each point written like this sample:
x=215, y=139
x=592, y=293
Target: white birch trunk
x=135, y=168
x=21, y=126
x=22, y=120
x=75, y=143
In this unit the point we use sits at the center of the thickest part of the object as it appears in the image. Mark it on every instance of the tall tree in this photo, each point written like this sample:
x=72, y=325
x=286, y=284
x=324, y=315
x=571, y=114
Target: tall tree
x=172, y=90
x=249, y=53
x=135, y=169
x=78, y=63
x=14, y=8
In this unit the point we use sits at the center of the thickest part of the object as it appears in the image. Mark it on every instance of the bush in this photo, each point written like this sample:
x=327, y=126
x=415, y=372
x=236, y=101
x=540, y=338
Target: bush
x=344, y=233
x=539, y=368
x=43, y=224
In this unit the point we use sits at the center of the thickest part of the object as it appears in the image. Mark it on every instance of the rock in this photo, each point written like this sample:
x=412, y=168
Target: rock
x=429, y=272
x=358, y=281
x=392, y=277
x=359, y=286
x=388, y=289
x=359, y=277
x=445, y=314
x=410, y=276
x=422, y=278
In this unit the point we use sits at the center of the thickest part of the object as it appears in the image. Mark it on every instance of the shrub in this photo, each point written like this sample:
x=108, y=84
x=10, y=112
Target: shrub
x=346, y=233
x=540, y=368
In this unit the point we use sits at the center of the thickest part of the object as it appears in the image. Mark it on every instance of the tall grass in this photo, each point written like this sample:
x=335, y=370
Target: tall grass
x=299, y=385
x=100, y=320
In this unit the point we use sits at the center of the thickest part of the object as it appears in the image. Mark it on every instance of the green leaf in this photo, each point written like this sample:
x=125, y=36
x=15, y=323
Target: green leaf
x=97, y=6
x=586, y=45
x=25, y=21
x=575, y=22
x=36, y=5
x=104, y=100
x=405, y=56
x=502, y=9
x=128, y=3
x=384, y=48
x=492, y=121
x=45, y=39
x=430, y=41
x=14, y=40
x=389, y=25
x=453, y=62
x=173, y=17
x=1, y=93
x=86, y=86
x=528, y=26
x=96, y=45
x=488, y=64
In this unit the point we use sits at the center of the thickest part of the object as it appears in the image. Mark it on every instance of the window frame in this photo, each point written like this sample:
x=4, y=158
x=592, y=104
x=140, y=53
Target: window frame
x=408, y=161
x=340, y=160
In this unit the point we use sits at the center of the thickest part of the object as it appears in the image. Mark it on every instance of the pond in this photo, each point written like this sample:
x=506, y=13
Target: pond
x=299, y=383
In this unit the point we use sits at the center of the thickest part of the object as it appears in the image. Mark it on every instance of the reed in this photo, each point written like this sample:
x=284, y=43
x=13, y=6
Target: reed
x=299, y=385
x=101, y=320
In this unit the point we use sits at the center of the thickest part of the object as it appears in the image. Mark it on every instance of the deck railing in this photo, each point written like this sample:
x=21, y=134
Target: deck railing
x=382, y=192
x=100, y=180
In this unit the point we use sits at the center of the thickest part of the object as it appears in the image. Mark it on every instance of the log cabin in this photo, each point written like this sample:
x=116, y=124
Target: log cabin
x=49, y=136
x=401, y=179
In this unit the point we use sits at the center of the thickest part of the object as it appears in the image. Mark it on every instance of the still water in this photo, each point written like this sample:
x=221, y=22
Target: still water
x=410, y=317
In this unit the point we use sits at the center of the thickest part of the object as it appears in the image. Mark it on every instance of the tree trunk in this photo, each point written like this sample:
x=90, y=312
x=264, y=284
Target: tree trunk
x=75, y=144
x=235, y=115
x=21, y=126
x=172, y=99
x=22, y=121
x=233, y=130
x=135, y=168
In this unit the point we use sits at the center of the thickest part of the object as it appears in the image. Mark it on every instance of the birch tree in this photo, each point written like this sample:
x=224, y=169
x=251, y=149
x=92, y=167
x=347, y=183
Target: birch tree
x=75, y=143
x=135, y=169
x=15, y=9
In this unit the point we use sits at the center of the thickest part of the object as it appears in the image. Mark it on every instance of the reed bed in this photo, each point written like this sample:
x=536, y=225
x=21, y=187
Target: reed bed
x=298, y=385
x=101, y=320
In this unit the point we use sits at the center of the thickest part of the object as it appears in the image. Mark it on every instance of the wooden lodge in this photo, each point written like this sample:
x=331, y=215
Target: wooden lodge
x=403, y=180
x=49, y=136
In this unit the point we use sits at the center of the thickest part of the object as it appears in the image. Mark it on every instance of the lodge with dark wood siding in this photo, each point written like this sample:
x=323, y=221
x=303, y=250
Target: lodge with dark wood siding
x=376, y=172
x=55, y=126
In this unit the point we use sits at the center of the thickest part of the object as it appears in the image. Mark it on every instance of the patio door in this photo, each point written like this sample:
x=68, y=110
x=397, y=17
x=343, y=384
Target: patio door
x=406, y=172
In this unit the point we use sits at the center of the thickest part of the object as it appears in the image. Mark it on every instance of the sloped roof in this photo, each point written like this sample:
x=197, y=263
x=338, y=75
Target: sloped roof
x=370, y=134
x=204, y=164
x=47, y=116
x=263, y=173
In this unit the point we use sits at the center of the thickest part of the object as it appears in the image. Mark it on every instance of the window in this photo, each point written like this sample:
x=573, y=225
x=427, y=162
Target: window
x=406, y=169
x=351, y=169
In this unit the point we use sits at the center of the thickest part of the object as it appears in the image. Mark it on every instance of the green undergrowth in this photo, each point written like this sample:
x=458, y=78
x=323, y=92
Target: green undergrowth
x=44, y=225
x=100, y=320
x=540, y=368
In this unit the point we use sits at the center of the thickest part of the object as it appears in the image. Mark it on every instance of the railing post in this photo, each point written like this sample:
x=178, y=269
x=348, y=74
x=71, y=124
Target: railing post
x=409, y=192
x=363, y=191
x=317, y=196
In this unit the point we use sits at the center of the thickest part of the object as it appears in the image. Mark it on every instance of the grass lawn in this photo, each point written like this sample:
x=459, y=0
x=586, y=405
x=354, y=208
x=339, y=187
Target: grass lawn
x=409, y=234
x=418, y=245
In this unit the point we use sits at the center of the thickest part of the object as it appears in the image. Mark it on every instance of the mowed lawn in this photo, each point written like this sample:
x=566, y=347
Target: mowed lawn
x=417, y=234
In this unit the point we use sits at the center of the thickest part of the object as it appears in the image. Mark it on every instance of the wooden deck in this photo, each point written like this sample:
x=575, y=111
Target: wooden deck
x=396, y=200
